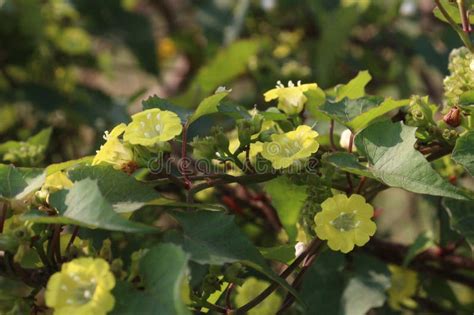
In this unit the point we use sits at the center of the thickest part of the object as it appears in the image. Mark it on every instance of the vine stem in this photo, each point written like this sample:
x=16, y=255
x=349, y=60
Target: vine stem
x=466, y=25
x=331, y=135
x=54, y=244
x=184, y=145
x=3, y=216
x=227, y=179
x=308, y=261
x=464, y=36
x=73, y=237
x=348, y=175
x=228, y=295
x=314, y=246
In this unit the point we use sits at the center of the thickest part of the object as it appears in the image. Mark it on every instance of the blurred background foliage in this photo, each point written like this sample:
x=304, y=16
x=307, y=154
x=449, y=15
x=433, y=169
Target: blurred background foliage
x=81, y=66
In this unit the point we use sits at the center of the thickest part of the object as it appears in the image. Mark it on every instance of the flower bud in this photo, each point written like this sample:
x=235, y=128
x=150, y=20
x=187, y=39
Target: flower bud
x=453, y=117
x=244, y=128
x=221, y=139
x=346, y=139
x=299, y=248
x=204, y=148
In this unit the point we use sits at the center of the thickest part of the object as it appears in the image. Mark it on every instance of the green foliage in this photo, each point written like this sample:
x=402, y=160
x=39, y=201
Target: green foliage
x=219, y=202
x=463, y=152
x=233, y=58
x=384, y=144
x=366, y=288
x=288, y=208
x=19, y=182
x=163, y=279
x=461, y=219
x=126, y=194
x=84, y=205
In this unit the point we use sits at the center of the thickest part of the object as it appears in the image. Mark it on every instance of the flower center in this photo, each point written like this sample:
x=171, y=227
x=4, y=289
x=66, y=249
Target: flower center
x=290, y=147
x=153, y=126
x=346, y=221
x=81, y=291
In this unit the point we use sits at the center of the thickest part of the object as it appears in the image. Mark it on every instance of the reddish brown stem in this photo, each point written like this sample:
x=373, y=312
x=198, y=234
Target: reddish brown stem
x=3, y=216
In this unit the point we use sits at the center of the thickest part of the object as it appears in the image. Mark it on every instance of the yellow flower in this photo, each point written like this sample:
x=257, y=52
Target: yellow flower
x=114, y=151
x=291, y=99
x=81, y=287
x=153, y=126
x=404, y=285
x=291, y=147
x=345, y=222
x=57, y=181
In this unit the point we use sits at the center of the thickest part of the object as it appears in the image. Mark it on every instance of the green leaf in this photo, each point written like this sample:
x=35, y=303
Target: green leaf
x=323, y=284
x=453, y=12
x=367, y=288
x=39, y=139
x=163, y=277
x=234, y=110
x=229, y=63
x=207, y=106
x=11, y=289
x=316, y=97
x=18, y=182
x=422, y=243
x=461, y=217
x=347, y=109
x=163, y=270
x=56, y=167
x=347, y=162
x=124, y=192
x=213, y=238
x=281, y=253
x=389, y=148
x=129, y=301
x=364, y=119
x=463, y=152
x=355, y=88
x=42, y=137
x=357, y=114
x=157, y=102
x=288, y=209
x=84, y=205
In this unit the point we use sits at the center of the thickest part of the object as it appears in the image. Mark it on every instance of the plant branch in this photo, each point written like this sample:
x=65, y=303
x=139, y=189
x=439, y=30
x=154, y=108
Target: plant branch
x=445, y=265
x=3, y=215
x=464, y=37
x=315, y=244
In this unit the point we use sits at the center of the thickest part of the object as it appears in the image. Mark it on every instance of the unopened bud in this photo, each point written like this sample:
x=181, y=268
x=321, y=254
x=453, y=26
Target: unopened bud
x=453, y=117
x=299, y=248
x=345, y=140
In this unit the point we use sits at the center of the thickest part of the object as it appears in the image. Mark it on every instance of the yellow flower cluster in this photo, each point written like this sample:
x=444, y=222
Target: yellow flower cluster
x=149, y=128
x=291, y=99
x=81, y=287
x=345, y=222
x=114, y=151
x=289, y=148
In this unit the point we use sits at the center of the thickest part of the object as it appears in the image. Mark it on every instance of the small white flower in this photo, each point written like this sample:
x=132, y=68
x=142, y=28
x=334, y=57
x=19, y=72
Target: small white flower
x=299, y=248
x=346, y=139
